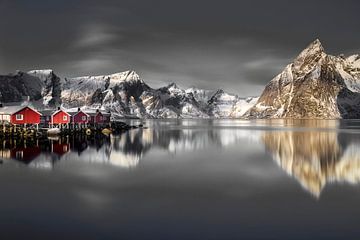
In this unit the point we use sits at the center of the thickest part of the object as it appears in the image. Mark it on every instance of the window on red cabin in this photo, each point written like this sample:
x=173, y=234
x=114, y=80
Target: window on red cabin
x=83, y=118
x=64, y=118
x=19, y=117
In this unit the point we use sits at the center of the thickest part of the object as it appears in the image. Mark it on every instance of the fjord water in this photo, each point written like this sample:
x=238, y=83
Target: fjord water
x=187, y=179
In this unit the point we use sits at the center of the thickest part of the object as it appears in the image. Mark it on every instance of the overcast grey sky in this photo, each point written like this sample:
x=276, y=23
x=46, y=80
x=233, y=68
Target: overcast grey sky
x=235, y=45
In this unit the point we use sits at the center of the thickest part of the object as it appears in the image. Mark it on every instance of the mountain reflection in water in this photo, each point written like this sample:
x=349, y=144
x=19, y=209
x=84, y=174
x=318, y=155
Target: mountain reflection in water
x=319, y=153
x=315, y=153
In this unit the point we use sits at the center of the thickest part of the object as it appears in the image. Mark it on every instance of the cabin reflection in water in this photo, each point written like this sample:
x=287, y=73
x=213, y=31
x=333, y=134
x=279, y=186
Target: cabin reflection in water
x=317, y=155
x=46, y=153
x=125, y=150
x=38, y=153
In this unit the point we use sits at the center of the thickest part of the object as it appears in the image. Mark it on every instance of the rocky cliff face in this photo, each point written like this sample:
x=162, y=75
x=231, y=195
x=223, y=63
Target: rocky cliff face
x=51, y=86
x=315, y=85
x=15, y=87
x=117, y=92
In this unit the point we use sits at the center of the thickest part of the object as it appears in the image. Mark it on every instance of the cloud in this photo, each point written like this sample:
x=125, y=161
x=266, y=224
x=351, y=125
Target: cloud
x=235, y=45
x=262, y=70
x=88, y=65
x=93, y=36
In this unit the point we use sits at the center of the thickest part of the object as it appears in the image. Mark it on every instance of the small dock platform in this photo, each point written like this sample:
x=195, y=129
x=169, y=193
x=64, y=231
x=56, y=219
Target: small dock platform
x=32, y=131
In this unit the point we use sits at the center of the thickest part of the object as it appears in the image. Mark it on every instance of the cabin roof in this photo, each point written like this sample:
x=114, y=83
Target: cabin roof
x=52, y=112
x=14, y=109
x=106, y=113
x=10, y=109
x=61, y=110
x=92, y=112
x=95, y=112
x=73, y=113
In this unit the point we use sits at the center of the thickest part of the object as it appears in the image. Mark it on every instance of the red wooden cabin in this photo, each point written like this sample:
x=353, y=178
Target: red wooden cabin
x=60, y=117
x=79, y=117
x=55, y=117
x=98, y=117
x=19, y=115
x=106, y=117
x=95, y=116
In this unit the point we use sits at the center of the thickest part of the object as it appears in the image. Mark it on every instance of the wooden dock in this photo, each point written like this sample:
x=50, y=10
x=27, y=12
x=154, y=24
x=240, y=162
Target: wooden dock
x=28, y=131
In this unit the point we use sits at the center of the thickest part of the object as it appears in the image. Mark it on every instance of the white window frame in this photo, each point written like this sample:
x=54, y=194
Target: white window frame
x=83, y=118
x=65, y=118
x=19, y=117
x=6, y=117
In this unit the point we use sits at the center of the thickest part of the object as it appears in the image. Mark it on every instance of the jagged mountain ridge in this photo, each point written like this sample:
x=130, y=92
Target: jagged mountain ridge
x=125, y=94
x=314, y=85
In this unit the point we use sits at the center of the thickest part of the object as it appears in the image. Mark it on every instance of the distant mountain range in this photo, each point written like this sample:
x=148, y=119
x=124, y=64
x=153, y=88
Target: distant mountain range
x=125, y=94
x=314, y=85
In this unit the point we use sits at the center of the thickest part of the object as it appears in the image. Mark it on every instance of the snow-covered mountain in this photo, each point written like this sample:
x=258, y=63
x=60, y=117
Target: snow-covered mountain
x=225, y=104
x=314, y=85
x=125, y=94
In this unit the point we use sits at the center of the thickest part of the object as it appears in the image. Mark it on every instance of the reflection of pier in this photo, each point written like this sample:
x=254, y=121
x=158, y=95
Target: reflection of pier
x=47, y=152
x=34, y=153
x=22, y=151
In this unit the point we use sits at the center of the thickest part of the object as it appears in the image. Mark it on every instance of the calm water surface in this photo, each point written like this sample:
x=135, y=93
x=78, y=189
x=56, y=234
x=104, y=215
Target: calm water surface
x=187, y=179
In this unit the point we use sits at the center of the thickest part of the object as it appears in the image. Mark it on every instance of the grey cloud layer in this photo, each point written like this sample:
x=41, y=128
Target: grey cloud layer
x=236, y=45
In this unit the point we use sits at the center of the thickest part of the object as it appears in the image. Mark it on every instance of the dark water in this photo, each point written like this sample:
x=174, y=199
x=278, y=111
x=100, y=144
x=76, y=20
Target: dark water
x=189, y=179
